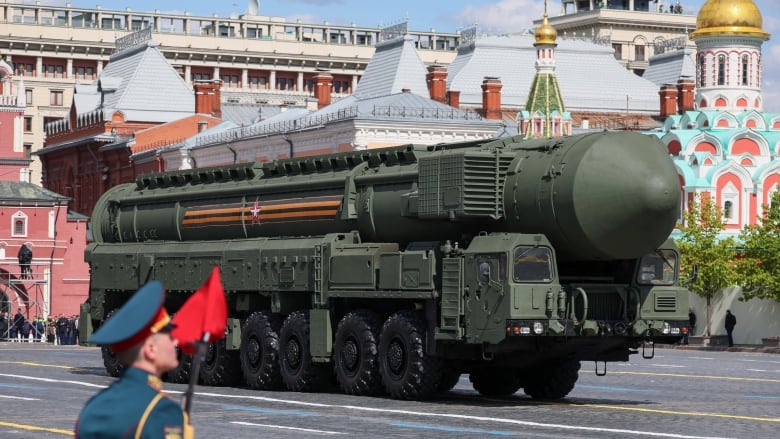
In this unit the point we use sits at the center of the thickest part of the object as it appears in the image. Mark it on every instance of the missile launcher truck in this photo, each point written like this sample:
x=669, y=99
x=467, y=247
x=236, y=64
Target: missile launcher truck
x=399, y=269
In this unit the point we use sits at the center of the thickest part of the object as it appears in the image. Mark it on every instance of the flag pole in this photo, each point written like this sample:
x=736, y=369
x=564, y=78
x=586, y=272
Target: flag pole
x=197, y=358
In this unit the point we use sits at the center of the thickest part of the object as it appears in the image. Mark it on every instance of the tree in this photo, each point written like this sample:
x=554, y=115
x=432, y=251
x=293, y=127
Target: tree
x=759, y=265
x=701, y=244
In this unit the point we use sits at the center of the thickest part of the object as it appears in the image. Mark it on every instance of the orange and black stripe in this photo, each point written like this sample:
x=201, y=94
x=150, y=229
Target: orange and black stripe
x=289, y=210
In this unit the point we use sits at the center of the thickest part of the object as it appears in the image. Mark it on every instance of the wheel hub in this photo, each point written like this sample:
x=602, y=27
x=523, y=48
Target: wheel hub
x=292, y=353
x=349, y=355
x=396, y=357
x=253, y=352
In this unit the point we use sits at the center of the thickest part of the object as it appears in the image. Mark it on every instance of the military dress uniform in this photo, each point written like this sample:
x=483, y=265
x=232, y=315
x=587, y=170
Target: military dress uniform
x=134, y=406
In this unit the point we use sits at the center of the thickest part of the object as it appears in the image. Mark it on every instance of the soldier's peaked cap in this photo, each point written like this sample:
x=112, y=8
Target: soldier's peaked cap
x=139, y=318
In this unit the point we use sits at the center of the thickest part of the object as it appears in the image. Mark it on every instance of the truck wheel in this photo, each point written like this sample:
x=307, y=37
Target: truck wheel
x=110, y=361
x=113, y=366
x=449, y=379
x=355, y=353
x=553, y=382
x=183, y=371
x=407, y=371
x=220, y=366
x=299, y=373
x=260, y=351
x=496, y=382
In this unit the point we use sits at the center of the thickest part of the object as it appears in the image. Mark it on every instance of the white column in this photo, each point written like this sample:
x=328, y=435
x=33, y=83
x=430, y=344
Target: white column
x=39, y=66
x=299, y=81
x=272, y=79
x=69, y=68
x=245, y=78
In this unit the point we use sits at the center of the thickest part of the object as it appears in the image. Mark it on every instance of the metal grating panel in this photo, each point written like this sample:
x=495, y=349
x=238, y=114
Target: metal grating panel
x=665, y=303
x=484, y=177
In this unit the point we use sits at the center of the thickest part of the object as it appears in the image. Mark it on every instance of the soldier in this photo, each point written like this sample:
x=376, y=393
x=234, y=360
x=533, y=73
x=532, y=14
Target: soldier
x=62, y=330
x=134, y=405
x=18, y=323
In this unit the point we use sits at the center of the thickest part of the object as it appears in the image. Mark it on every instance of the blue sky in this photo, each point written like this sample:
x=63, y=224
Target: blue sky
x=499, y=16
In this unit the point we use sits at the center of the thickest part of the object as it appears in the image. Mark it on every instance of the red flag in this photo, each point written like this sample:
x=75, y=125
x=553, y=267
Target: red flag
x=205, y=312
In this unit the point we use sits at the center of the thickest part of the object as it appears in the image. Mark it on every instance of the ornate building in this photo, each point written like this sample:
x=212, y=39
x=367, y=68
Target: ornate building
x=727, y=148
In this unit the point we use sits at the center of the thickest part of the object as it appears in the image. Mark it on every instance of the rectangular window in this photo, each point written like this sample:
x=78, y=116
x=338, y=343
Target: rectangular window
x=19, y=225
x=639, y=53
x=28, y=124
x=27, y=150
x=618, y=49
x=55, y=98
x=230, y=80
x=28, y=96
x=24, y=69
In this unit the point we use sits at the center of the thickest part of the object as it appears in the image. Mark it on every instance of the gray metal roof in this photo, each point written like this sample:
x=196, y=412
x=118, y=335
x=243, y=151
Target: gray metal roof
x=140, y=83
x=21, y=191
x=590, y=77
x=667, y=68
x=395, y=66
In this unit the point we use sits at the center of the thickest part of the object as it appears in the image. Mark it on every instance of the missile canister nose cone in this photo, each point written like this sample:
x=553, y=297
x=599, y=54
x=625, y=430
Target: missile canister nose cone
x=626, y=195
x=611, y=195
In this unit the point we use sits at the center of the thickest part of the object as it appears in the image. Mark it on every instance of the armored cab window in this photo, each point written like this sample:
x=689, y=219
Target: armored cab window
x=532, y=264
x=491, y=267
x=659, y=268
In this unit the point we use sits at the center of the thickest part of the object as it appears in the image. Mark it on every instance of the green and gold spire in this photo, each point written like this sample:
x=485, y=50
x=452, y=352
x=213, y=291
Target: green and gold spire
x=545, y=114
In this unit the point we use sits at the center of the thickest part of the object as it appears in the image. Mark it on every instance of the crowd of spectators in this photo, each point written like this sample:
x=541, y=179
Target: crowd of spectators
x=62, y=330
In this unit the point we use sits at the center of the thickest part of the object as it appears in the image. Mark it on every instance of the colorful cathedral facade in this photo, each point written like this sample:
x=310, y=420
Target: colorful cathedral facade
x=727, y=149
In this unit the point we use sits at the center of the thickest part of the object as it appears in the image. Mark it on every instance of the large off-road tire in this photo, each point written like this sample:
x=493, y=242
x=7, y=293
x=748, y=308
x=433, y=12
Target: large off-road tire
x=496, y=382
x=260, y=351
x=183, y=371
x=407, y=371
x=299, y=372
x=553, y=381
x=113, y=366
x=220, y=367
x=449, y=379
x=355, y=353
x=110, y=361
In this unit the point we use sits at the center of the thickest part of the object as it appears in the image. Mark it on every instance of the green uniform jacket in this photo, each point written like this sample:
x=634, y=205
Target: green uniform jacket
x=115, y=412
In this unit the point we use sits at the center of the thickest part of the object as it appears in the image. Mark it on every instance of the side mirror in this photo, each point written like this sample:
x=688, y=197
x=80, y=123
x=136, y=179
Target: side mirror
x=694, y=273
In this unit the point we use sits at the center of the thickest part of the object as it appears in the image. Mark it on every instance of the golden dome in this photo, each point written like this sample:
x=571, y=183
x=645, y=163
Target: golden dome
x=729, y=17
x=545, y=34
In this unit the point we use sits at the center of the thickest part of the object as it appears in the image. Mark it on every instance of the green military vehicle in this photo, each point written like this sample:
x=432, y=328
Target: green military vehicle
x=399, y=269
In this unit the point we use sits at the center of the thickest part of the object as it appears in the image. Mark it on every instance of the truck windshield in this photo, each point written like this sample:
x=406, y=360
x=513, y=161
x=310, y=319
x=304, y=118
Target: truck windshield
x=659, y=268
x=532, y=264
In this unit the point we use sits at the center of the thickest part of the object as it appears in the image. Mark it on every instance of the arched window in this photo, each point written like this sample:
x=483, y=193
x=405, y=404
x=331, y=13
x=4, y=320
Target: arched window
x=745, y=64
x=19, y=224
x=702, y=75
x=721, y=69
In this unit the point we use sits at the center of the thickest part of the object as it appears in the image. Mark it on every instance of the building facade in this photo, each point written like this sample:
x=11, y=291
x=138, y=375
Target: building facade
x=635, y=30
x=57, y=279
x=259, y=59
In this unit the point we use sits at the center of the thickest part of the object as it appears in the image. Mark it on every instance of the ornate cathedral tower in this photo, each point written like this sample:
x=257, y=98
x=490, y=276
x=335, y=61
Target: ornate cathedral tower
x=728, y=39
x=545, y=114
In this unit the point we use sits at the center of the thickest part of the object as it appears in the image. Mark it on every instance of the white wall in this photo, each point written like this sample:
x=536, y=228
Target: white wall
x=756, y=319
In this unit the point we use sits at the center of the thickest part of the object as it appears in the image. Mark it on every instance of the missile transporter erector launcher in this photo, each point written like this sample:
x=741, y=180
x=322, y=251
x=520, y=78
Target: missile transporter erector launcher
x=398, y=269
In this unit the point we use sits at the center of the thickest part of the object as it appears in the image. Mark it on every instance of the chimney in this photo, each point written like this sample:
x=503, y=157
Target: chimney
x=437, y=82
x=202, y=125
x=208, y=97
x=491, y=98
x=685, y=86
x=668, y=96
x=323, y=83
x=453, y=98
